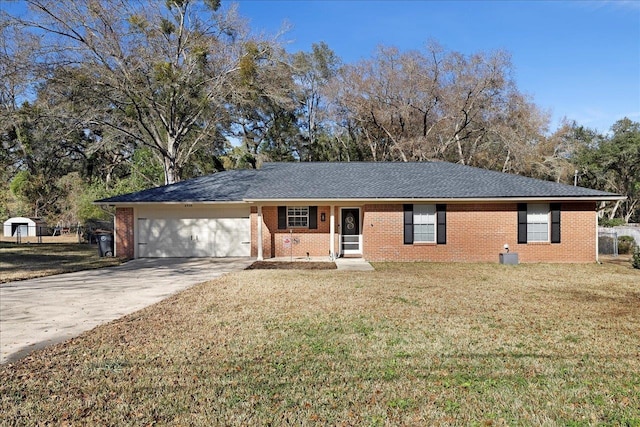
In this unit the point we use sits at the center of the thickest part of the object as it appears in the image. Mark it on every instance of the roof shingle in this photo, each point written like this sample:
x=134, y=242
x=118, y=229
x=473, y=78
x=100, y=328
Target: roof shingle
x=357, y=180
x=393, y=180
x=229, y=186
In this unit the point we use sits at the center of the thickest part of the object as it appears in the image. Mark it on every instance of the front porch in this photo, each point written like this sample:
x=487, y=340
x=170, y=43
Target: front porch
x=305, y=232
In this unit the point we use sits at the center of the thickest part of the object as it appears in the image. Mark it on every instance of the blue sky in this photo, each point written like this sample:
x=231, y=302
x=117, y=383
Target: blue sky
x=576, y=59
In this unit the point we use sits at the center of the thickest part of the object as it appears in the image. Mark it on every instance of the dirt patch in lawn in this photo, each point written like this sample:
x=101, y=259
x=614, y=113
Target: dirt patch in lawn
x=623, y=260
x=64, y=238
x=292, y=265
x=31, y=260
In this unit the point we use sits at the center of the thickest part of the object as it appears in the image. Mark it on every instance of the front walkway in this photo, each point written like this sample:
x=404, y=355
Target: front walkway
x=353, y=264
x=345, y=264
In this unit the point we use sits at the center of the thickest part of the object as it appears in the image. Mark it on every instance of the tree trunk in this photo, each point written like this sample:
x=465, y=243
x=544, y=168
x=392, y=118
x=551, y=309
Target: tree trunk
x=632, y=210
x=505, y=165
x=170, y=161
x=614, y=210
x=170, y=171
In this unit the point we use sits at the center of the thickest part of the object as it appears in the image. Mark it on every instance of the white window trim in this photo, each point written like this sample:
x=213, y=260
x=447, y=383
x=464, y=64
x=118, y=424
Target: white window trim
x=297, y=213
x=539, y=210
x=431, y=211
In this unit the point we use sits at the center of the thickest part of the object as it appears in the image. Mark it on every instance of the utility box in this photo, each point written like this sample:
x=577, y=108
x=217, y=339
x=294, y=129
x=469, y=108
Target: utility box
x=509, y=258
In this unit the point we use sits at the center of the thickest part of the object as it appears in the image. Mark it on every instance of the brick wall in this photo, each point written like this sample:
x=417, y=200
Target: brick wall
x=315, y=242
x=475, y=232
x=478, y=232
x=124, y=238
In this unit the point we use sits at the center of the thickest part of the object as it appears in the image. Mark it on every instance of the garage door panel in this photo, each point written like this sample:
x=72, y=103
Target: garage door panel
x=231, y=237
x=194, y=237
x=166, y=238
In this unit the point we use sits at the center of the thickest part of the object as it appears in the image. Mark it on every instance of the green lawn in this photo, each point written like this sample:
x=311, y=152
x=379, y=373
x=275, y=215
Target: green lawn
x=408, y=344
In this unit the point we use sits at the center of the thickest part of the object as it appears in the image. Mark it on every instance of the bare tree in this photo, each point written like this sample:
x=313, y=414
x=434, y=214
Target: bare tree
x=379, y=96
x=512, y=144
x=417, y=106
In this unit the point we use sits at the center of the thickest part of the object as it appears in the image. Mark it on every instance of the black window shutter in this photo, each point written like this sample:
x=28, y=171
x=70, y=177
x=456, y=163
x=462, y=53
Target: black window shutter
x=555, y=222
x=522, y=223
x=408, y=224
x=441, y=219
x=313, y=217
x=282, y=217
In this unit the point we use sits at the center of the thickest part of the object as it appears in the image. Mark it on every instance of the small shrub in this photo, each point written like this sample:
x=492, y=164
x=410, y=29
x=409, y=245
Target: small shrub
x=613, y=222
x=625, y=244
x=635, y=261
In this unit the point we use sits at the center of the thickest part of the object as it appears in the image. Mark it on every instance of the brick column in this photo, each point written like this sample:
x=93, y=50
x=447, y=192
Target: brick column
x=124, y=238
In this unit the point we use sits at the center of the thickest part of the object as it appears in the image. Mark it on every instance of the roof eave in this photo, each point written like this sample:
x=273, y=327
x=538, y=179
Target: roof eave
x=181, y=202
x=441, y=199
x=274, y=201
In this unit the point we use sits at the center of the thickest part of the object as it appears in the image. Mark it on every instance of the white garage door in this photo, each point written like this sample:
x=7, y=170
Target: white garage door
x=194, y=237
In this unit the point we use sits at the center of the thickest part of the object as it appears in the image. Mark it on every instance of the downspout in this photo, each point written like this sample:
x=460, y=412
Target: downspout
x=136, y=233
x=597, y=240
x=115, y=233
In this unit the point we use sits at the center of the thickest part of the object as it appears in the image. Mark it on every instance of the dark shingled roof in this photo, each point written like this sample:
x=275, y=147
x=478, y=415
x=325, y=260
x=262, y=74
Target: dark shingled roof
x=393, y=180
x=229, y=186
x=358, y=180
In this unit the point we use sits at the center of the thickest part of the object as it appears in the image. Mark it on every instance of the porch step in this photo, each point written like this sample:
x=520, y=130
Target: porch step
x=353, y=264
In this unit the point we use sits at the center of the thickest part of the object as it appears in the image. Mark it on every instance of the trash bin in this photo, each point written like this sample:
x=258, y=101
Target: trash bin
x=105, y=244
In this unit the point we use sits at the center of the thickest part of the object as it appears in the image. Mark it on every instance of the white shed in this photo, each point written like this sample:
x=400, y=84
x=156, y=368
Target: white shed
x=24, y=227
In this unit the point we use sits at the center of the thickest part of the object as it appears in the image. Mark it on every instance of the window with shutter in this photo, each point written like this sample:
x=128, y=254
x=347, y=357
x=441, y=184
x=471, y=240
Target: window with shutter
x=425, y=223
x=297, y=217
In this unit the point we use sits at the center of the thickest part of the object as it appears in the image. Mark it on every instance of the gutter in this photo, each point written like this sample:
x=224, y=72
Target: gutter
x=183, y=202
x=457, y=200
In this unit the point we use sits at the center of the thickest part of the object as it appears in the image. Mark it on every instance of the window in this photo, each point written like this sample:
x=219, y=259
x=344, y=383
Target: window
x=298, y=216
x=537, y=222
x=424, y=223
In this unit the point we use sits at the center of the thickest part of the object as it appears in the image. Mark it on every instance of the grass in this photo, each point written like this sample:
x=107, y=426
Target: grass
x=408, y=344
x=31, y=260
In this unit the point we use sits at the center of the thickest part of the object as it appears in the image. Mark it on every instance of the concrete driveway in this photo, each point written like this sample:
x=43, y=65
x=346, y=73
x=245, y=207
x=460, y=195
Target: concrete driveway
x=39, y=312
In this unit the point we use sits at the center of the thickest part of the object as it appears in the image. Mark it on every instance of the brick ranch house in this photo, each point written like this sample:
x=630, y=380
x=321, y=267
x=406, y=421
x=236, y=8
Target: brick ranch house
x=432, y=211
